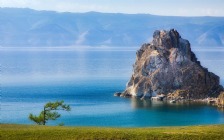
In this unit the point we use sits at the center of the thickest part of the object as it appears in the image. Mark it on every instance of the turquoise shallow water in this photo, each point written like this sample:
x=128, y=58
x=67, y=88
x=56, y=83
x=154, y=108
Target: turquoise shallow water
x=87, y=80
x=93, y=104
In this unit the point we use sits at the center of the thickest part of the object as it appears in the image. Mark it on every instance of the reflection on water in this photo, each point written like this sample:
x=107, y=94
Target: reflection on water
x=221, y=109
x=37, y=66
x=138, y=103
x=87, y=80
x=93, y=104
x=57, y=64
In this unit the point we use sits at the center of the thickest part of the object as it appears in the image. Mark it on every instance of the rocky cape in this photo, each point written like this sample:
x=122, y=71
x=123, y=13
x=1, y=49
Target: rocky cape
x=167, y=66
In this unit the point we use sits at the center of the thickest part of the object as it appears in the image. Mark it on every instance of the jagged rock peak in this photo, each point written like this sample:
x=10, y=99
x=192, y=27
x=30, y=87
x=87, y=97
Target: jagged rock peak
x=167, y=66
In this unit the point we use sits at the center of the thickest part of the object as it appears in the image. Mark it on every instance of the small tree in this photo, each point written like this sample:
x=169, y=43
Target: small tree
x=49, y=112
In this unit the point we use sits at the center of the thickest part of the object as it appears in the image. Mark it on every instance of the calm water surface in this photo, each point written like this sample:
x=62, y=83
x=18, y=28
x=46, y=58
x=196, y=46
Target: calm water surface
x=86, y=79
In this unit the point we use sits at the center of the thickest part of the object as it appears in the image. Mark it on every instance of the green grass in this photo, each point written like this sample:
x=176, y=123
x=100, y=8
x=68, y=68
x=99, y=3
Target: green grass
x=22, y=132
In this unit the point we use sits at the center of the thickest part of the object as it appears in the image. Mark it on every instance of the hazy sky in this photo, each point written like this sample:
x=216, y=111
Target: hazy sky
x=156, y=7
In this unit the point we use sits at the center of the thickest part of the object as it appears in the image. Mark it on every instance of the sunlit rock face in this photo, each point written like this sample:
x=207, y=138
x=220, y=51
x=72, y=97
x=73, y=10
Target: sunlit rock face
x=167, y=66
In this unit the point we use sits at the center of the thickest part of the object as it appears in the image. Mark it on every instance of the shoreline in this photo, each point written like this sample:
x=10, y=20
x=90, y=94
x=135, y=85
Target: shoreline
x=112, y=127
x=214, y=101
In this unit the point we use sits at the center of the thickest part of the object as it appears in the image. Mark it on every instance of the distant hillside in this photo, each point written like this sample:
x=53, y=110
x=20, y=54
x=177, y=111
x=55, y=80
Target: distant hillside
x=26, y=27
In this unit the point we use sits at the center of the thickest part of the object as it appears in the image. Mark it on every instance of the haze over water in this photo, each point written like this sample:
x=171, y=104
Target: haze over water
x=86, y=79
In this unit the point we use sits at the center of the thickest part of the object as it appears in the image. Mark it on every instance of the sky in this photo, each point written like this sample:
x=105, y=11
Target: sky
x=155, y=7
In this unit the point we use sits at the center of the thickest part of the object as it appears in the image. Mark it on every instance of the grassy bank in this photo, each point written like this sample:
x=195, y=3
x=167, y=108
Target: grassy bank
x=21, y=132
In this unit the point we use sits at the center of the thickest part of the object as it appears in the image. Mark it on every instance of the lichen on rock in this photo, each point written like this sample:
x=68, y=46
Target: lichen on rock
x=167, y=65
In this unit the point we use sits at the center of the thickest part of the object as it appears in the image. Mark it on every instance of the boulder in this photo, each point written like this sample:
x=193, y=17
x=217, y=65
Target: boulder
x=117, y=94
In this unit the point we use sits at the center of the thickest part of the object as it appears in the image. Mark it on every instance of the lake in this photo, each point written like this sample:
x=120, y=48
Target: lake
x=86, y=79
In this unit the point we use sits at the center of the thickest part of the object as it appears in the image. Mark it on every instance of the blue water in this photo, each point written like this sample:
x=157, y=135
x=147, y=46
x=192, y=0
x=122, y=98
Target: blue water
x=86, y=79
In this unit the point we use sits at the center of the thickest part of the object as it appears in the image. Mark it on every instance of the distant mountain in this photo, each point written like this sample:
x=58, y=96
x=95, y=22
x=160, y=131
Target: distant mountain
x=26, y=27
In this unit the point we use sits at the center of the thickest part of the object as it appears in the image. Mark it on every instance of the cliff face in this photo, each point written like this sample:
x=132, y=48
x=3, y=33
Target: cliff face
x=220, y=101
x=168, y=66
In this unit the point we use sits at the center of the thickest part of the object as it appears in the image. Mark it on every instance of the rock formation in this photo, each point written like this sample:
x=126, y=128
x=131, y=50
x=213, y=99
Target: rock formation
x=168, y=66
x=220, y=101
